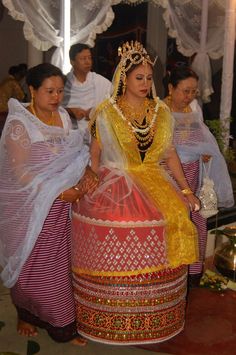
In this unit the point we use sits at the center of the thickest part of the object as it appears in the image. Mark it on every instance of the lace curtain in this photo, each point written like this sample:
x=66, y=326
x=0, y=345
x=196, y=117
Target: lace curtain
x=198, y=27
x=42, y=21
x=194, y=33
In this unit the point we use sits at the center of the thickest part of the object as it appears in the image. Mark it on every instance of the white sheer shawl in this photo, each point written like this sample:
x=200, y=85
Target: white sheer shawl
x=193, y=139
x=37, y=163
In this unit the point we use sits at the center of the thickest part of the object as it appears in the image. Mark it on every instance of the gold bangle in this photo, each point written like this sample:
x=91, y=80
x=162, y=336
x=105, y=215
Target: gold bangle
x=62, y=196
x=187, y=191
x=76, y=188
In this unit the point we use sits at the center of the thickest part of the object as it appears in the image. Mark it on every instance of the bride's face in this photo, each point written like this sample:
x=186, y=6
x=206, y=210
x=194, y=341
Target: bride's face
x=139, y=81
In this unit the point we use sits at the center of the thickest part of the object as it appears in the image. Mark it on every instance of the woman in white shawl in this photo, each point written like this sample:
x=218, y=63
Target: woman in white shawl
x=196, y=146
x=42, y=161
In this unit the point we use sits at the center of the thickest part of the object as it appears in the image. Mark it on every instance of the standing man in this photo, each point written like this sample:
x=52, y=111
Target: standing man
x=84, y=89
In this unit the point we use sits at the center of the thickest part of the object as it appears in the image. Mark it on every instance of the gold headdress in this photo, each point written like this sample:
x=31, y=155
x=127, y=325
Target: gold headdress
x=132, y=53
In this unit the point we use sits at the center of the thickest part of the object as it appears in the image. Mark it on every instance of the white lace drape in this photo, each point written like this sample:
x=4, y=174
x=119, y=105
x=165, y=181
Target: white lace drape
x=42, y=22
x=194, y=33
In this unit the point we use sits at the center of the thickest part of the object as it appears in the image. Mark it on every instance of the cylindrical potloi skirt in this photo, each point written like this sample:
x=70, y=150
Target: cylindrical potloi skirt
x=131, y=310
x=125, y=292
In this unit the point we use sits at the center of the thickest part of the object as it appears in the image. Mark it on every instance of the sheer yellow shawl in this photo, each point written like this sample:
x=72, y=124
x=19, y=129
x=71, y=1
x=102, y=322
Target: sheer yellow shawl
x=150, y=176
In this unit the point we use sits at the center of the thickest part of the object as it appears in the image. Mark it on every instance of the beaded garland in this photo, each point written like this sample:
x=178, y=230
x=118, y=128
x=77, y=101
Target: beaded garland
x=141, y=122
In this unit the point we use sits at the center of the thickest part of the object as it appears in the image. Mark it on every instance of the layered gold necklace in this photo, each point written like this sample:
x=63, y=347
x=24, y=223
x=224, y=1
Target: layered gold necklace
x=141, y=120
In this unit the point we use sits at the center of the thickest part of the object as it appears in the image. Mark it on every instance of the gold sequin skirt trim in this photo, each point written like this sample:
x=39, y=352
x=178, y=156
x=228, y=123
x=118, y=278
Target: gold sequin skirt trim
x=131, y=310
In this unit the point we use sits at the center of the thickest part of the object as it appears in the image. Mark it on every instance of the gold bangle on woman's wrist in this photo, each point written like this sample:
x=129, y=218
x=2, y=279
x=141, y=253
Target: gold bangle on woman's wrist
x=76, y=188
x=187, y=191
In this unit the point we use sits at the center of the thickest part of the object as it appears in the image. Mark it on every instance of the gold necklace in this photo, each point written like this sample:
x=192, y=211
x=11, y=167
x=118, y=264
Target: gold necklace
x=134, y=114
x=48, y=121
x=141, y=121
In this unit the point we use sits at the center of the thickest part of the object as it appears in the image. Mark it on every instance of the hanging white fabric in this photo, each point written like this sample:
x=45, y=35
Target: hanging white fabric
x=197, y=34
x=228, y=69
x=42, y=22
x=88, y=18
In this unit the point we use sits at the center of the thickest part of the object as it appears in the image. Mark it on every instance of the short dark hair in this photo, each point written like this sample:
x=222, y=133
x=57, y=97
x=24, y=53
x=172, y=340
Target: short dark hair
x=36, y=75
x=13, y=70
x=23, y=66
x=77, y=48
x=181, y=73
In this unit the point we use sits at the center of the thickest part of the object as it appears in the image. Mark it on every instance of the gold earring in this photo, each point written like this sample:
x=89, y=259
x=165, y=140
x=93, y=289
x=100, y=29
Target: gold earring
x=32, y=104
x=32, y=97
x=124, y=85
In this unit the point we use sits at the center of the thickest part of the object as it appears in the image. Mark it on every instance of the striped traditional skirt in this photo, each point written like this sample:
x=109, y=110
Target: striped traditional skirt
x=43, y=294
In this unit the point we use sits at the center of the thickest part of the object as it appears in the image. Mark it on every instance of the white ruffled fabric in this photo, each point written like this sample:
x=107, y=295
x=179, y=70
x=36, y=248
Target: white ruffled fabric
x=43, y=27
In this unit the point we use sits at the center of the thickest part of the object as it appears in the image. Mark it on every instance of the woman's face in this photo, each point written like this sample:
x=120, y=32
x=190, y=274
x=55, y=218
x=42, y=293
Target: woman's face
x=184, y=93
x=139, y=81
x=49, y=95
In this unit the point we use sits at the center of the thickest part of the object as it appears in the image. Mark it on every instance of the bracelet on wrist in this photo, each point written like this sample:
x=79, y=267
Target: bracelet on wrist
x=76, y=188
x=187, y=191
x=61, y=196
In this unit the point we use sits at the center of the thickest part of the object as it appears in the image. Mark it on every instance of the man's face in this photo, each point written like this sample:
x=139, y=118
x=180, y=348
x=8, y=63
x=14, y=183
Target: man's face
x=83, y=62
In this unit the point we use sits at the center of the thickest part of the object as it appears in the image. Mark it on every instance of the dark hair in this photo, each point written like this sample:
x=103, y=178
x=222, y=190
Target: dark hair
x=36, y=75
x=77, y=48
x=13, y=70
x=23, y=66
x=181, y=73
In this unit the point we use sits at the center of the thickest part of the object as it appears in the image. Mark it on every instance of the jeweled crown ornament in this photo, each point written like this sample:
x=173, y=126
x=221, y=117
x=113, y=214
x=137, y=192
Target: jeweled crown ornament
x=133, y=53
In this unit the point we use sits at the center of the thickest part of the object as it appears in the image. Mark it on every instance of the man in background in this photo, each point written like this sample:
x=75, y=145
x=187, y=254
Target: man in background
x=84, y=89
